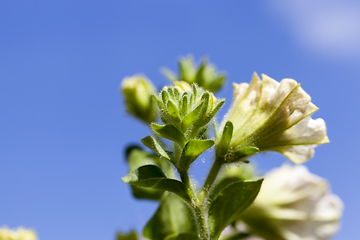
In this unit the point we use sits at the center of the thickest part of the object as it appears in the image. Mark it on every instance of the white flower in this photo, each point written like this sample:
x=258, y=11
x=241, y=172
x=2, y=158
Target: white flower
x=275, y=116
x=18, y=234
x=294, y=204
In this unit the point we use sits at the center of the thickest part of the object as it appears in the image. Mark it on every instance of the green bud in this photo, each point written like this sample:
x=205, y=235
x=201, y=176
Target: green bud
x=187, y=109
x=204, y=75
x=137, y=92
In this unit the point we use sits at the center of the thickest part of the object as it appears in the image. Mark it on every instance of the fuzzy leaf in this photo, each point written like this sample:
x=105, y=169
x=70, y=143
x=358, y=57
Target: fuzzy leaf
x=230, y=202
x=136, y=158
x=152, y=176
x=170, y=132
x=173, y=216
x=151, y=143
x=192, y=150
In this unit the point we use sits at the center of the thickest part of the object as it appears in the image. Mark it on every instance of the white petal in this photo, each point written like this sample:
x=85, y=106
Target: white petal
x=307, y=131
x=296, y=153
x=244, y=105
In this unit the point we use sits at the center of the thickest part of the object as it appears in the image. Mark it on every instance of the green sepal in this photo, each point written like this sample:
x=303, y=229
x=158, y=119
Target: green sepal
x=174, y=216
x=183, y=105
x=191, y=117
x=164, y=96
x=173, y=110
x=199, y=77
x=223, y=145
x=229, y=203
x=169, y=132
x=156, y=100
x=151, y=143
x=214, y=111
x=205, y=99
x=131, y=236
x=187, y=70
x=170, y=90
x=152, y=176
x=169, y=74
x=183, y=236
x=216, y=84
x=192, y=150
x=240, y=154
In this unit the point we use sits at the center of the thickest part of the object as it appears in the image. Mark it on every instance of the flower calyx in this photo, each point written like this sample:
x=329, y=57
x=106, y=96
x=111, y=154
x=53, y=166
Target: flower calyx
x=186, y=112
x=205, y=75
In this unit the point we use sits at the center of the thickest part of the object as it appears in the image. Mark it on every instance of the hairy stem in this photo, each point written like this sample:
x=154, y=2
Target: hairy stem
x=197, y=205
x=214, y=171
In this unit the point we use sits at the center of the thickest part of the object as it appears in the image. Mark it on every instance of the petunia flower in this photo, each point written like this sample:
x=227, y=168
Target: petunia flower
x=273, y=116
x=294, y=204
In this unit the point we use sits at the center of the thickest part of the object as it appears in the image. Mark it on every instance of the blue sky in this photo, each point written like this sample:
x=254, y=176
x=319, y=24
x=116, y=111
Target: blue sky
x=63, y=126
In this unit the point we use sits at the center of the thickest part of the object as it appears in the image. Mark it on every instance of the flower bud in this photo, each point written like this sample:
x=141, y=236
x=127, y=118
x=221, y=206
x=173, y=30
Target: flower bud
x=204, y=75
x=18, y=234
x=272, y=116
x=187, y=108
x=137, y=92
x=294, y=204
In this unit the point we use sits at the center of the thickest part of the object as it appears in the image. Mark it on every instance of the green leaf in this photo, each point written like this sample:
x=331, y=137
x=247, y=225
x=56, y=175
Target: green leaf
x=151, y=143
x=219, y=186
x=173, y=216
x=131, y=236
x=229, y=203
x=173, y=110
x=223, y=145
x=152, y=176
x=192, y=150
x=183, y=236
x=169, y=132
x=136, y=158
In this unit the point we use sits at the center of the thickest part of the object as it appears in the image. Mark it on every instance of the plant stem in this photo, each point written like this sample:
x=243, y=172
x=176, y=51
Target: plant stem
x=197, y=205
x=211, y=178
x=200, y=217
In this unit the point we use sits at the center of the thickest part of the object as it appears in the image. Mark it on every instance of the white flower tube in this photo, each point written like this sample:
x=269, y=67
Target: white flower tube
x=294, y=204
x=273, y=116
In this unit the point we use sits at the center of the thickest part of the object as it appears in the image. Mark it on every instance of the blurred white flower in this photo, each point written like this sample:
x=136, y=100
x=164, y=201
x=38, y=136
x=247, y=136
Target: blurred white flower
x=274, y=116
x=294, y=204
x=18, y=234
